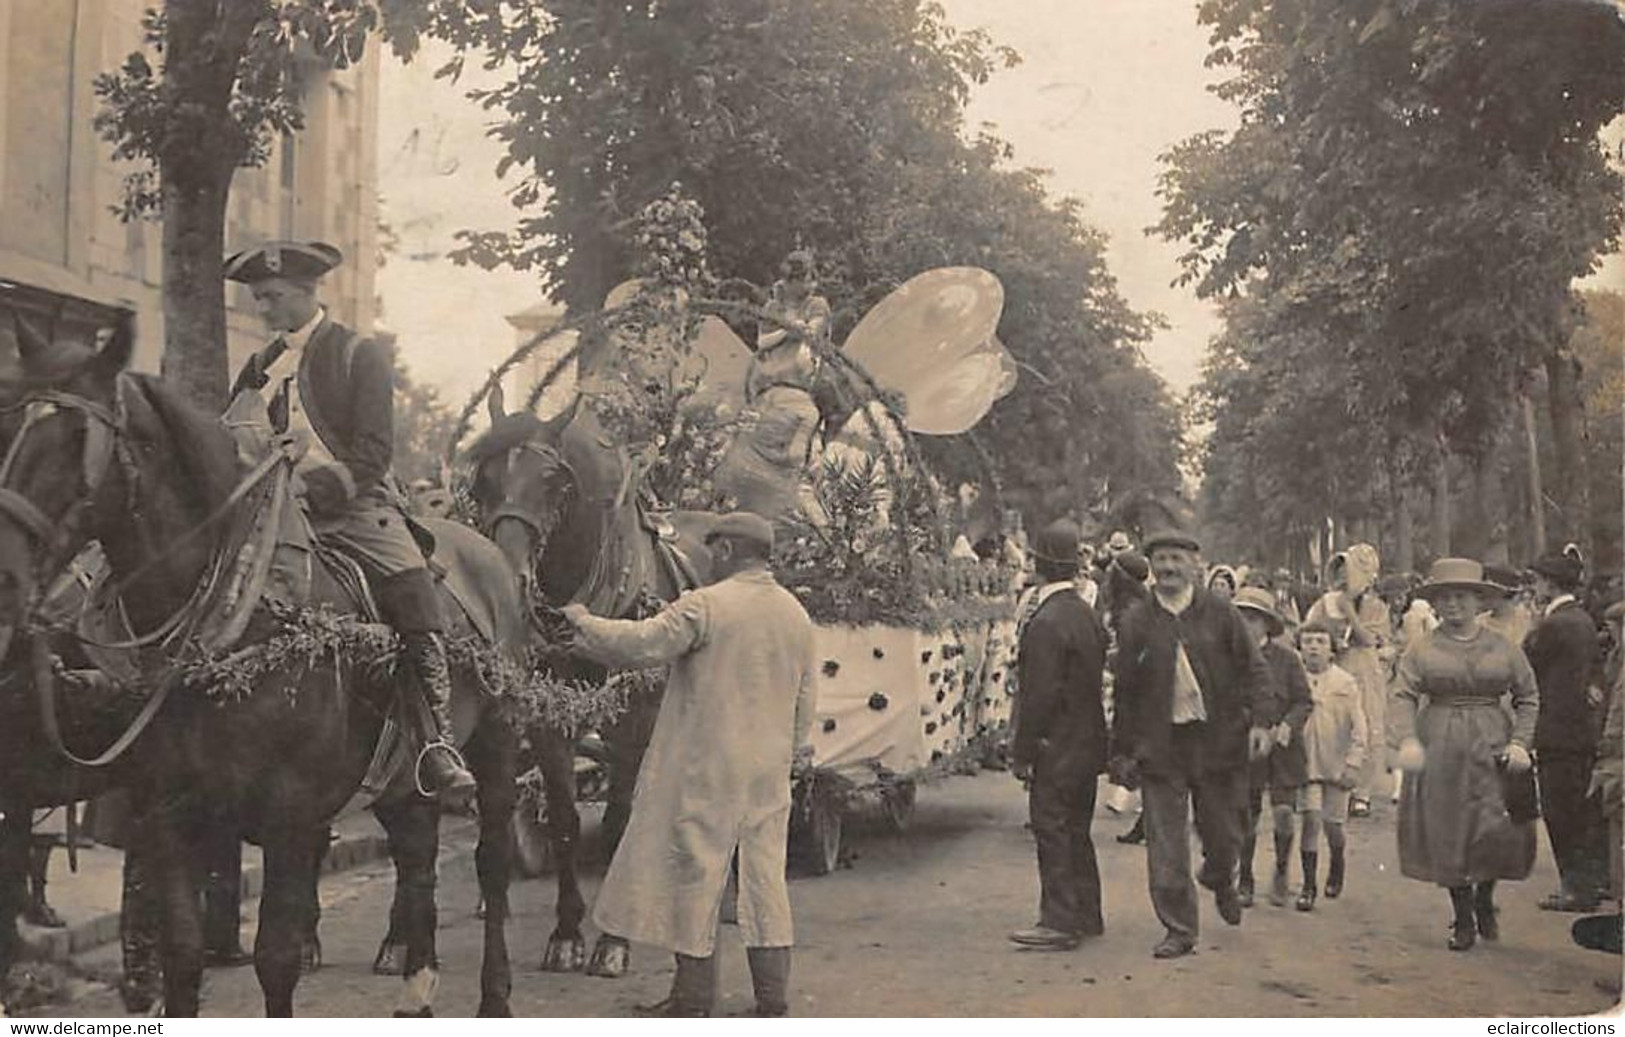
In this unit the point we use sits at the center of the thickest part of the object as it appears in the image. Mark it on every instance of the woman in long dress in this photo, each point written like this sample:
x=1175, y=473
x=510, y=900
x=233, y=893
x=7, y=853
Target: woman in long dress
x=1459, y=745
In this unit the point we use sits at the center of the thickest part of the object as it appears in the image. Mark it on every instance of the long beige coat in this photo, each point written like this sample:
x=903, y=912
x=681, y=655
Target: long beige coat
x=716, y=778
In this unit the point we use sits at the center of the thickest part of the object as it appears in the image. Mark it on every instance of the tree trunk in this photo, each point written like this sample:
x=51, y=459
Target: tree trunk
x=1569, y=445
x=195, y=359
x=1404, y=530
x=1441, y=503
x=1537, y=499
x=202, y=145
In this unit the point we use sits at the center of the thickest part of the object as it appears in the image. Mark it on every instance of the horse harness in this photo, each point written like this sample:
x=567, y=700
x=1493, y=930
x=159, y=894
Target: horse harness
x=105, y=438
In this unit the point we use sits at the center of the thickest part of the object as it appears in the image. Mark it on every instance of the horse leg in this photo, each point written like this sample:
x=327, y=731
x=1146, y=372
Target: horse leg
x=389, y=960
x=174, y=850
x=493, y=758
x=566, y=948
x=290, y=875
x=413, y=824
x=14, y=825
x=140, y=932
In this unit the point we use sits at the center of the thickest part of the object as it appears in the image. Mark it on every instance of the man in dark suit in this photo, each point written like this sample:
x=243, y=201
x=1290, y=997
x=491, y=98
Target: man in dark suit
x=1060, y=742
x=1561, y=649
x=1189, y=683
x=336, y=390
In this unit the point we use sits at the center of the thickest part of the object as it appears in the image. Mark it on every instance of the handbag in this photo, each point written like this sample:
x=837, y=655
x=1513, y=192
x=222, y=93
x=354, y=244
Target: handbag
x=1518, y=792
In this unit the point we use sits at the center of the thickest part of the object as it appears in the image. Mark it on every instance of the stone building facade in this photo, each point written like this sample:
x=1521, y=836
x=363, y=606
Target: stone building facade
x=64, y=254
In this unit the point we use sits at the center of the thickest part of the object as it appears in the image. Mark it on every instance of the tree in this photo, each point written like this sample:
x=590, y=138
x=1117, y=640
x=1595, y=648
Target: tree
x=835, y=125
x=1414, y=186
x=423, y=426
x=226, y=83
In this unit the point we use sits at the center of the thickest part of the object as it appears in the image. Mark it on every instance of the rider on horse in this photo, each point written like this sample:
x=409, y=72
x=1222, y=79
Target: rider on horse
x=337, y=389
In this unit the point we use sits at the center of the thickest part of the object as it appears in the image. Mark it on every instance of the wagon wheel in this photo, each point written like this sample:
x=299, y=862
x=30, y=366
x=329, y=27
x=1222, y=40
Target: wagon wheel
x=815, y=832
x=898, y=802
x=533, y=850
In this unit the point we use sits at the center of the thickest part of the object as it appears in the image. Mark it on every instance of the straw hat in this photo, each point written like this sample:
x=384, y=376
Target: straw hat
x=1262, y=602
x=1463, y=574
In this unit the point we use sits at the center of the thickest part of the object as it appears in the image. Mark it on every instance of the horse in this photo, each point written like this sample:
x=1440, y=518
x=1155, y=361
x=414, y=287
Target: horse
x=149, y=475
x=562, y=504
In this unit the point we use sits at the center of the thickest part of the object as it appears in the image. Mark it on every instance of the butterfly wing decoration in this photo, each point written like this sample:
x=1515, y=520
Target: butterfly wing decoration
x=932, y=340
x=954, y=398
x=721, y=360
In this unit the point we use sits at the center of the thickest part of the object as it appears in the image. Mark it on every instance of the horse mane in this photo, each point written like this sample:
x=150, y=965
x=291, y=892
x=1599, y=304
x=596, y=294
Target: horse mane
x=199, y=444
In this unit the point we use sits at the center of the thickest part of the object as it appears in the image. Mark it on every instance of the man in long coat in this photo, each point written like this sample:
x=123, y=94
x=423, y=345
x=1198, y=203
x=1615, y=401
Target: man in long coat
x=1562, y=650
x=1188, y=684
x=337, y=389
x=738, y=706
x=1060, y=742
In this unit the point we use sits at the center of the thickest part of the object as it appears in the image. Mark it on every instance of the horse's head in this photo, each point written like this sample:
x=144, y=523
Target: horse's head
x=520, y=483
x=62, y=420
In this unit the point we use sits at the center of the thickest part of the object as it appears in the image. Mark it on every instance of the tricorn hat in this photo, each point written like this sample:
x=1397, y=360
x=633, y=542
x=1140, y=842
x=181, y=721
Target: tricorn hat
x=1262, y=602
x=1057, y=543
x=1458, y=574
x=297, y=260
x=743, y=525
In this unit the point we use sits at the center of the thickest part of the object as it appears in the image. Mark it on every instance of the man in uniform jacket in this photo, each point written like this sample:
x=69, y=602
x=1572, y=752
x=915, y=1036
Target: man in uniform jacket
x=1060, y=741
x=1561, y=649
x=337, y=390
x=1188, y=683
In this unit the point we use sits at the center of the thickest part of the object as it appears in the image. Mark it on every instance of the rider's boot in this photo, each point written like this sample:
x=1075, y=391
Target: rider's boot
x=440, y=769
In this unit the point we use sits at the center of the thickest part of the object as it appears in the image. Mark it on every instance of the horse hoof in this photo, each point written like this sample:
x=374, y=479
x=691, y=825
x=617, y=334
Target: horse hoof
x=421, y=1013
x=565, y=954
x=389, y=961
x=610, y=959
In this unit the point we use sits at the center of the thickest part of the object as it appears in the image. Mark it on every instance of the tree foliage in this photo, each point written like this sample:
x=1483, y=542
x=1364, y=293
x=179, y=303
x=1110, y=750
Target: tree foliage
x=1414, y=186
x=212, y=87
x=834, y=125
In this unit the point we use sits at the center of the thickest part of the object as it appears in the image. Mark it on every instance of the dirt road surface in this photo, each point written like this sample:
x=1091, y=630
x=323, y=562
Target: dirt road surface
x=917, y=926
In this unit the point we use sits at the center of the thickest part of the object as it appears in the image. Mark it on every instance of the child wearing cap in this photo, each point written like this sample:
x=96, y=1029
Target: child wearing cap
x=1335, y=740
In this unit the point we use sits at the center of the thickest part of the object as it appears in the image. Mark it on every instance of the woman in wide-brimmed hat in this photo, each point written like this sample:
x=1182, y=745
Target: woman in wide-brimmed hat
x=1457, y=740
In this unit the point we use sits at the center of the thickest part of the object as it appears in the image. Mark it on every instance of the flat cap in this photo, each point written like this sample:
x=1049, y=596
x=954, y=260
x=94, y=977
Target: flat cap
x=300, y=260
x=743, y=525
x=1170, y=538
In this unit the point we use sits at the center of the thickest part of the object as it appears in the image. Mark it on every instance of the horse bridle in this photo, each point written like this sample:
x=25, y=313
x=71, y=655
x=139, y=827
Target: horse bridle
x=104, y=428
x=540, y=529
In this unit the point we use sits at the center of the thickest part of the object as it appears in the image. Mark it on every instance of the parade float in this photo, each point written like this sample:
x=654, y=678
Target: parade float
x=914, y=632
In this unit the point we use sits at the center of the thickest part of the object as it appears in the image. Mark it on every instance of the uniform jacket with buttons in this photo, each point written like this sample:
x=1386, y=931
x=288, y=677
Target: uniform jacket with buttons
x=347, y=384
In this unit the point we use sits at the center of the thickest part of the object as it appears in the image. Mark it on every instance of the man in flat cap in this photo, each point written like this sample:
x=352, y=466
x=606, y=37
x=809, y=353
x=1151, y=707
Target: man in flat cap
x=1562, y=649
x=1189, y=682
x=337, y=389
x=715, y=781
x=1059, y=748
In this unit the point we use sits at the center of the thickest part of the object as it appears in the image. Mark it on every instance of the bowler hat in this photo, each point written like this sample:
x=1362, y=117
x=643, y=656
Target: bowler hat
x=297, y=260
x=743, y=525
x=1057, y=543
x=1171, y=538
x=1562, y=569
x=1449, y=574
x=1258, y=600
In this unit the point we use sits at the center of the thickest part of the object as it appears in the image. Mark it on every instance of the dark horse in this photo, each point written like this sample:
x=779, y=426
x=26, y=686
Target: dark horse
x=562, y=503
x=120, y=458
